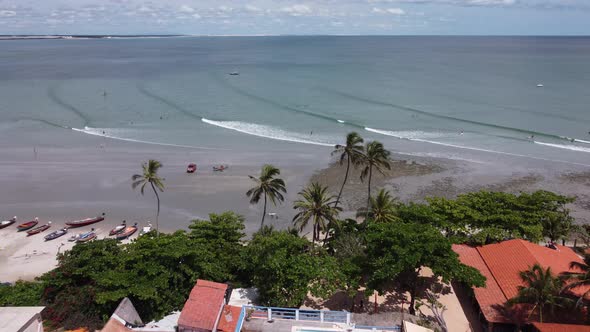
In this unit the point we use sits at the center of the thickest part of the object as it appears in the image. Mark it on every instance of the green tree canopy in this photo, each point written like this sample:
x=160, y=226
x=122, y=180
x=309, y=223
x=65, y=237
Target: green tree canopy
x=484, y=217
x=285, y=267
x=396, y=252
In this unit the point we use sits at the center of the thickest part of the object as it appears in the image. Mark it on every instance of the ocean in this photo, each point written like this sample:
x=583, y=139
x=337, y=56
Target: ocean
x=483, y=99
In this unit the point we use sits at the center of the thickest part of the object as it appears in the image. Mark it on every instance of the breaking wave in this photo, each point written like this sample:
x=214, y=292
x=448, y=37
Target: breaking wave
x=397, y=135
x=270, y=132
x=99, y=132
x=566, y=147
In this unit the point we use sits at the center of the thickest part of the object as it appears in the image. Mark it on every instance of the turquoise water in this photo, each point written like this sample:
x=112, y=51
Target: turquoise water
x=456, y=97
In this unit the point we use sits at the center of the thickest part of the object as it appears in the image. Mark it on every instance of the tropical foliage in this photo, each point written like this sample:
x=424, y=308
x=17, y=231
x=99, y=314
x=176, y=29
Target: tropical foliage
x=352, y=153
x=267, y=186
x=579, y=278
x=383, y=208
x=150, y=176
x=376, y=157
x=541, y=290
x=317, y=206
x=396, y=252
x=486, y=217
x=285, y=268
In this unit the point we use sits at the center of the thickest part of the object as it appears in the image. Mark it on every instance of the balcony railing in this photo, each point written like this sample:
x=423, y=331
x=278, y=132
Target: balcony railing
x=321, y=316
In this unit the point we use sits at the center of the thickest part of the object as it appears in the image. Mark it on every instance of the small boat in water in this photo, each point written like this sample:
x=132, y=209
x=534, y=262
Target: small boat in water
x=85, y=222
x=118, y=229
x=39, y=229
x=540, y=85
x=234, y=73
x=6, y=223
x=56, y=234
x=127, y=232
x=27, y=225
x=86, y=237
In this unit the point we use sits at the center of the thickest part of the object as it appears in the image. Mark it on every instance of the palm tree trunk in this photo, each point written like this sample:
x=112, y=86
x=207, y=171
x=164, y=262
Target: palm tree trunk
x=369, y=191
x=540, y=313
x=158, y=212
x=263, y=213
x=344, y=182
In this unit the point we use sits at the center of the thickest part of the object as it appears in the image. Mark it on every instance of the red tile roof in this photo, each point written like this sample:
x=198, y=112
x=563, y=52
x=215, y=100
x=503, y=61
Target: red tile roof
x=229, y=318
x=501, y=263
x=551, y=327
x=202, y=309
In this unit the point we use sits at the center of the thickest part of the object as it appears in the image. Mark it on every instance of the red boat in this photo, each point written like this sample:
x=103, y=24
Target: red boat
x=191, y=168
x=127, y=232
x=27, y=225
x=118, y=229
x=39, y=229
x=84, y=222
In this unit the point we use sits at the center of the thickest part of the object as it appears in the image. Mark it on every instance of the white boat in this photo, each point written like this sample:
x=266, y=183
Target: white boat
x=540, y=85
x=146, y=229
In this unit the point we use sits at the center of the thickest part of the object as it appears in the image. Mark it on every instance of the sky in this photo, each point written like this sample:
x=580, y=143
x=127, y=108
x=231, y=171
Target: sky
x=276, y=17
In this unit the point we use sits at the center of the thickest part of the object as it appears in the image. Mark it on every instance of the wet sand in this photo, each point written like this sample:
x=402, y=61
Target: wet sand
x=73, y=176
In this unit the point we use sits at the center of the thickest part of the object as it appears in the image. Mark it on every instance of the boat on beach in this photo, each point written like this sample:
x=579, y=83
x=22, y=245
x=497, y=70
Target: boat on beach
x=118, y=229
x=6, y=223
x=39, y=229
x=191, y=168
x=56, y=234
x=27, y=225
x=146, y=229
x=86, y=237
x=127, y=232
x=85, y=222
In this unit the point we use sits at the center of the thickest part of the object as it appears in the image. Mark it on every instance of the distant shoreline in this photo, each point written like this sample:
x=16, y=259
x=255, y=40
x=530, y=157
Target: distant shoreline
x=51, y=37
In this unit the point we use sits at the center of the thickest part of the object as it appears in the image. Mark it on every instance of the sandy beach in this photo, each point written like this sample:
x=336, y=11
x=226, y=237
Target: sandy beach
x=75, y=176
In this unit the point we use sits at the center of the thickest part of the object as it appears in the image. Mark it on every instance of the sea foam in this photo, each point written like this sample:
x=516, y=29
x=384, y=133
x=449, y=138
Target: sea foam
x=270, y=132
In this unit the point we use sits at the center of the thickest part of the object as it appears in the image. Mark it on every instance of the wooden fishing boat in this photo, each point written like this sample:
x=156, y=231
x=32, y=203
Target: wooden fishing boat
x=85, y=222
x=118, y=229
x=56, y=234
x=39, y=229
x=86, y=237
x=127, y=232
x=6, y=223
x=27, y=225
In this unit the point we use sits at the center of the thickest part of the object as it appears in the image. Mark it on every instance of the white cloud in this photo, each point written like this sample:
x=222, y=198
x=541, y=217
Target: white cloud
x=197, y=16
x=391, y=11
x=186, y=9
x=253, y=9
x=144, y=9
x=7, y=13
x=297, y=10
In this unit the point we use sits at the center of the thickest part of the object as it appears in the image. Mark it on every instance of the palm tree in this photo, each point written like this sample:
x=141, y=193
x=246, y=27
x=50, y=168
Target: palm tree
x=269, y=186
x=377, y=157
x=578, y=278
x=150, y=175
x=352, y=152
x=383, y=208
x=541, y=290
x=316, y=205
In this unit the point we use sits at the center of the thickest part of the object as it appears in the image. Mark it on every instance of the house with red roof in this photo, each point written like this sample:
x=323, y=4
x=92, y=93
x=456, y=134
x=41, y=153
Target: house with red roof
x=204, y=307
x=501, y=264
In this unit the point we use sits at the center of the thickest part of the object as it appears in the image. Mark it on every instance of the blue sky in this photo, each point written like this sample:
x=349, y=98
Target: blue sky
x=255, y=17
